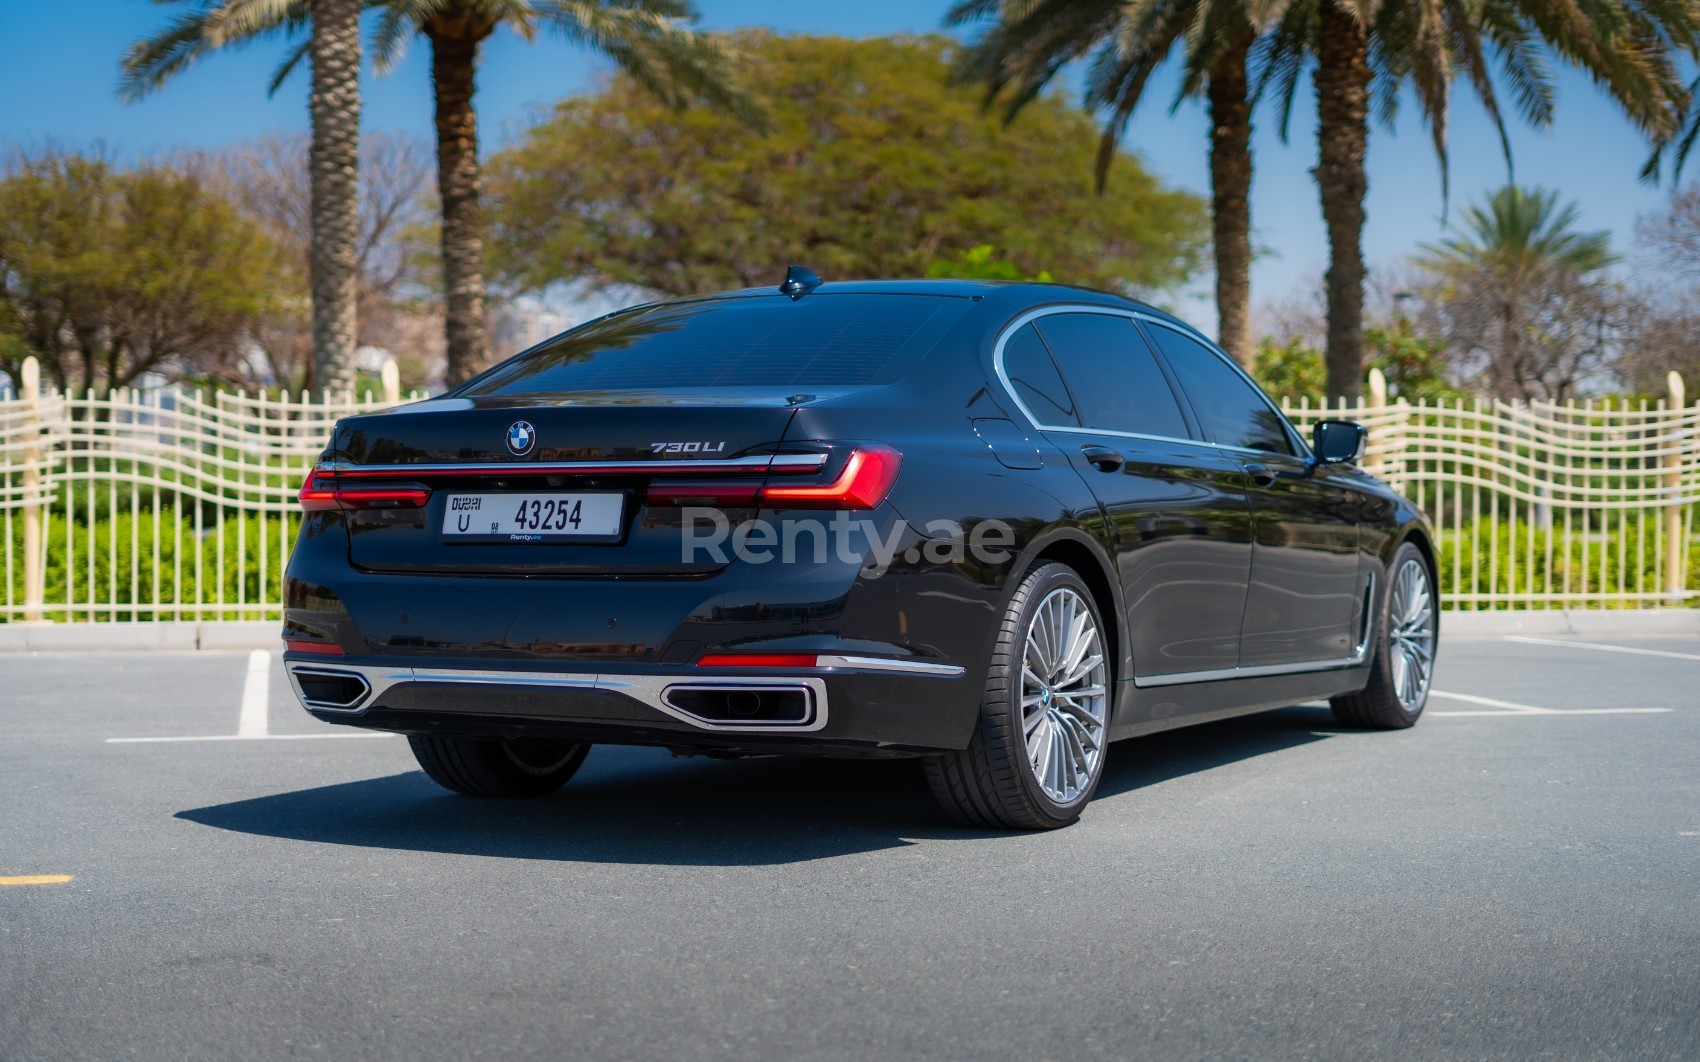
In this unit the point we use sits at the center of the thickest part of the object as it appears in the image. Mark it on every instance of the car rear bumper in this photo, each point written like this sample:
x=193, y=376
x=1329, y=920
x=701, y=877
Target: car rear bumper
x=850, y=704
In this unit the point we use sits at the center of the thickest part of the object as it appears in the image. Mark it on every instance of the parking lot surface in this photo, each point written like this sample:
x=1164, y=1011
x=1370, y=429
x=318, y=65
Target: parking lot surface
x=1518, y=876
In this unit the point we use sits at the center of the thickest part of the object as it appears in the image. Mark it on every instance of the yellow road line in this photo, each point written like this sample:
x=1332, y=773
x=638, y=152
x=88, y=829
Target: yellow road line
x=37, y=879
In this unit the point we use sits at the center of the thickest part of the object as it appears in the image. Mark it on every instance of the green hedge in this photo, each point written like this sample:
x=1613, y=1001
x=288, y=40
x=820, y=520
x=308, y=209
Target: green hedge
x=241, y=564
x=1620, y=550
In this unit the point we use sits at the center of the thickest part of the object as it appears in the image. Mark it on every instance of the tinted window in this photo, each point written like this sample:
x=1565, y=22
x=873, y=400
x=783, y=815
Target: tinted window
x=1232, y=410
x=1034, y=377
x=821, y=341
x=1112, y=374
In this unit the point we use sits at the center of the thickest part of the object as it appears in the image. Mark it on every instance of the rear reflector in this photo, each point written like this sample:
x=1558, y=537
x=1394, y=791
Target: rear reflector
x=758, y=660
x=863, y=484
x=320, y=492
x=317, y=648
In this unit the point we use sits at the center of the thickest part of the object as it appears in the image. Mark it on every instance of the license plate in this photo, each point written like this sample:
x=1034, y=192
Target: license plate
x=534, y=517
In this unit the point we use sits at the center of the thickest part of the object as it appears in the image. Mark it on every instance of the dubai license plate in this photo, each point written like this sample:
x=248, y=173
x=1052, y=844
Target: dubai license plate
x=534, y=517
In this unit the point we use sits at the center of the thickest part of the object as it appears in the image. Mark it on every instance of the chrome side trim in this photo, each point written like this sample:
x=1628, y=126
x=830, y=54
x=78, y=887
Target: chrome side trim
x=758, y=463
x=648, y=690
x=1257, y=671
x=1360, y=653
x=880, y=663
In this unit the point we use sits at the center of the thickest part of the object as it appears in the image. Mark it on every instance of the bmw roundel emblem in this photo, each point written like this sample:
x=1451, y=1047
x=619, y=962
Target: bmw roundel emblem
x=522, y=438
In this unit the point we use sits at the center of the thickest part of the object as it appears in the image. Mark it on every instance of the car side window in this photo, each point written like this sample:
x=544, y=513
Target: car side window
x=1232, y=411
x=1036, y=381
x=1112, y=374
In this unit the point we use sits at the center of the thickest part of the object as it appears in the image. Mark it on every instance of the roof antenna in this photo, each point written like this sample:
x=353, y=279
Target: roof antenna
x=799, y=282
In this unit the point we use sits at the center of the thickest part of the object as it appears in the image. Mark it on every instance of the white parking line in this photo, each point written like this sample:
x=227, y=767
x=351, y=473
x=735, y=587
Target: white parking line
x=1601, y=648
x=253, y=722
x=255, y=695
x=1499, y=707
x=245, y=737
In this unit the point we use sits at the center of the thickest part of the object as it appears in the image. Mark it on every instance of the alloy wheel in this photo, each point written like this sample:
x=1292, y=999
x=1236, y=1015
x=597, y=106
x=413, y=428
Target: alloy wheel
x=1064, y=695
x=1410, y=620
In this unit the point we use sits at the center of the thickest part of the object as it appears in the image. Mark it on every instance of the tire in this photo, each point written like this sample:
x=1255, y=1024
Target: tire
x=1405, y=640
x=997, y=782
x=492, y=768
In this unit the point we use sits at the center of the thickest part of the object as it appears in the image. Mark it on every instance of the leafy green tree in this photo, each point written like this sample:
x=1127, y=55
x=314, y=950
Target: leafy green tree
x=1031, y=43
x=333, y=46
x=977, y=263
x=107, y=274
x=650, y=46
x=1627, y=48
x=1292, y=369
x=873, y=164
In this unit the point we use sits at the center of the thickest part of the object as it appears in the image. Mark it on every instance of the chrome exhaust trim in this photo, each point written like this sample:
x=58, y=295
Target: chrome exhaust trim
x=347, y=704
x=648, y=690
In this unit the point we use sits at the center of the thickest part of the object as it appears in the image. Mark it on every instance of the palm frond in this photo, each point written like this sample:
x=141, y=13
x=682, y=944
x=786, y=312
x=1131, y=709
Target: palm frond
x=149, y=63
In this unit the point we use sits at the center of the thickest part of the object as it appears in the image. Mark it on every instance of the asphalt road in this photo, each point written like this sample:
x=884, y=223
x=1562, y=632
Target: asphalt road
x=1495, y=883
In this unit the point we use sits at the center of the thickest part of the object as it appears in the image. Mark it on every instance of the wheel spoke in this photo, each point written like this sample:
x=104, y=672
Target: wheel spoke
x=1063, y=698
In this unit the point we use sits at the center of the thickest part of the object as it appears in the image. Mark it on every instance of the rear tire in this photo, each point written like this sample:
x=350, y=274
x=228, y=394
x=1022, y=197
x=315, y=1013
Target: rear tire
x=1405, y=638
x=1037, y=755
x=495, y=768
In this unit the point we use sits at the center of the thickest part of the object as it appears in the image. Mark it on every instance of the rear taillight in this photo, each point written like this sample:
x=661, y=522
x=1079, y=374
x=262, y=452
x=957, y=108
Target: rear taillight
x=863, y=483
x=758, y=660
x=320, y=491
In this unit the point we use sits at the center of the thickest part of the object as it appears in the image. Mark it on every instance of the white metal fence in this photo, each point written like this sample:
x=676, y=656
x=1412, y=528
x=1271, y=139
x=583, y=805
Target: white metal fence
x=181, y=506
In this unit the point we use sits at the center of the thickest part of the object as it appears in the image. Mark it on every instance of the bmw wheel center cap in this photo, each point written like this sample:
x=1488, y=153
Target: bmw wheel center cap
x=522, y=438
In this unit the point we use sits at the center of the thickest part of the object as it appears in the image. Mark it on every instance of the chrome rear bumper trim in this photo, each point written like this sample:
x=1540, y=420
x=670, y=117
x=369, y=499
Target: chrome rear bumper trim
x=648, y=690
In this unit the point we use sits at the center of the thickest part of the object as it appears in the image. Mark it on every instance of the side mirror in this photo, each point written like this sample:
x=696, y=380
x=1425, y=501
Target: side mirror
x=1337, y=442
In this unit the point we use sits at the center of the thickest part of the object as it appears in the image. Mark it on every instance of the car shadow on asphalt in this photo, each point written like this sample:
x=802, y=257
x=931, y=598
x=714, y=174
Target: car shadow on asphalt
x=638, y=806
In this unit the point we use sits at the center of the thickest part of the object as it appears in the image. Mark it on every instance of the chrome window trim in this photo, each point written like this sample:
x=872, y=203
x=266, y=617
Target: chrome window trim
x=1293, y=434
x=758, y=463
x=1133, y=315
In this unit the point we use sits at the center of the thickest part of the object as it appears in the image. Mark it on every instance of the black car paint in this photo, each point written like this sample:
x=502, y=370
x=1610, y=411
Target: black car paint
x=1166, y=540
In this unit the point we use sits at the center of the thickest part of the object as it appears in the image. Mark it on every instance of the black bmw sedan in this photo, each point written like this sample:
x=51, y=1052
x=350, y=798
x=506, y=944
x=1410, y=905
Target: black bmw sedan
x=992, y=526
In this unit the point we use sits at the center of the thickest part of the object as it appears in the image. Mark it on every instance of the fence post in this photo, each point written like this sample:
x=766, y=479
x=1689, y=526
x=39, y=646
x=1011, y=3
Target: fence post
x=1676, y=544
x=34, y=583
x=1375, y=456
x=391, y=376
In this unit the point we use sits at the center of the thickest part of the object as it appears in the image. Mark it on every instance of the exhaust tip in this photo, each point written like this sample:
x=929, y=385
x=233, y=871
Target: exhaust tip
x=330, y=689
x=774, y=705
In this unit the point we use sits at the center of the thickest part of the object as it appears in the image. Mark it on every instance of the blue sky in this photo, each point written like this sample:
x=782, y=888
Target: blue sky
x=58, y=74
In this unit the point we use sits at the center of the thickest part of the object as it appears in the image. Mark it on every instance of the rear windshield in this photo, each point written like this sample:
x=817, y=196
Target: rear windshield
x=819, y=341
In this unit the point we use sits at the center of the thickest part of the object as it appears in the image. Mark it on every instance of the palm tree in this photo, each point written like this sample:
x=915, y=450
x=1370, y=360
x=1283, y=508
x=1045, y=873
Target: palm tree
x=1624, y=45
x=1519, y=251
x=645, y=38
x=333, y=47
x=1128, y=40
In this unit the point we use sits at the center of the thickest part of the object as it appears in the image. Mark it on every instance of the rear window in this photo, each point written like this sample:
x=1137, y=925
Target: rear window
x=817, y=341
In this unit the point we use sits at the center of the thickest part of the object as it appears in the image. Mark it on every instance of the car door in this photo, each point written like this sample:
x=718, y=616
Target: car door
x=1178, y=511
x=1306, y=595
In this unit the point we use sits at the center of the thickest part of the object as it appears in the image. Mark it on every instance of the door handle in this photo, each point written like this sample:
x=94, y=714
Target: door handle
x=1102, y=458
x=1262, y=475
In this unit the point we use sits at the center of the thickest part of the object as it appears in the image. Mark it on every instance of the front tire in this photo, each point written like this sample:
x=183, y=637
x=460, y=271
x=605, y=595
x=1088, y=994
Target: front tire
x=1405, y=641
x=494, y=768
x=1038, y=753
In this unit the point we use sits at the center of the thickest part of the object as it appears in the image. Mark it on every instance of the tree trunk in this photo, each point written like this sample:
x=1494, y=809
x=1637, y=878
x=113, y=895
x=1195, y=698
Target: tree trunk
x=334, y=165
x=454, y=61
x=1342, y=135
x=1230, y=204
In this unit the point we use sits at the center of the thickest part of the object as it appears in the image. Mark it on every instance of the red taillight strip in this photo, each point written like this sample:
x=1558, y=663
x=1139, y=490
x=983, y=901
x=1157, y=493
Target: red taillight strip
x=316, y=648
x=787, y=463
x=320, y=492
x=863, y=483
x=758, y=660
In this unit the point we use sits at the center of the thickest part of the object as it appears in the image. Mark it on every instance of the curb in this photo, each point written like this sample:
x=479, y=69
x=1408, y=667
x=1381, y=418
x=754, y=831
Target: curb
x=139, y=637
x=1560, y=621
